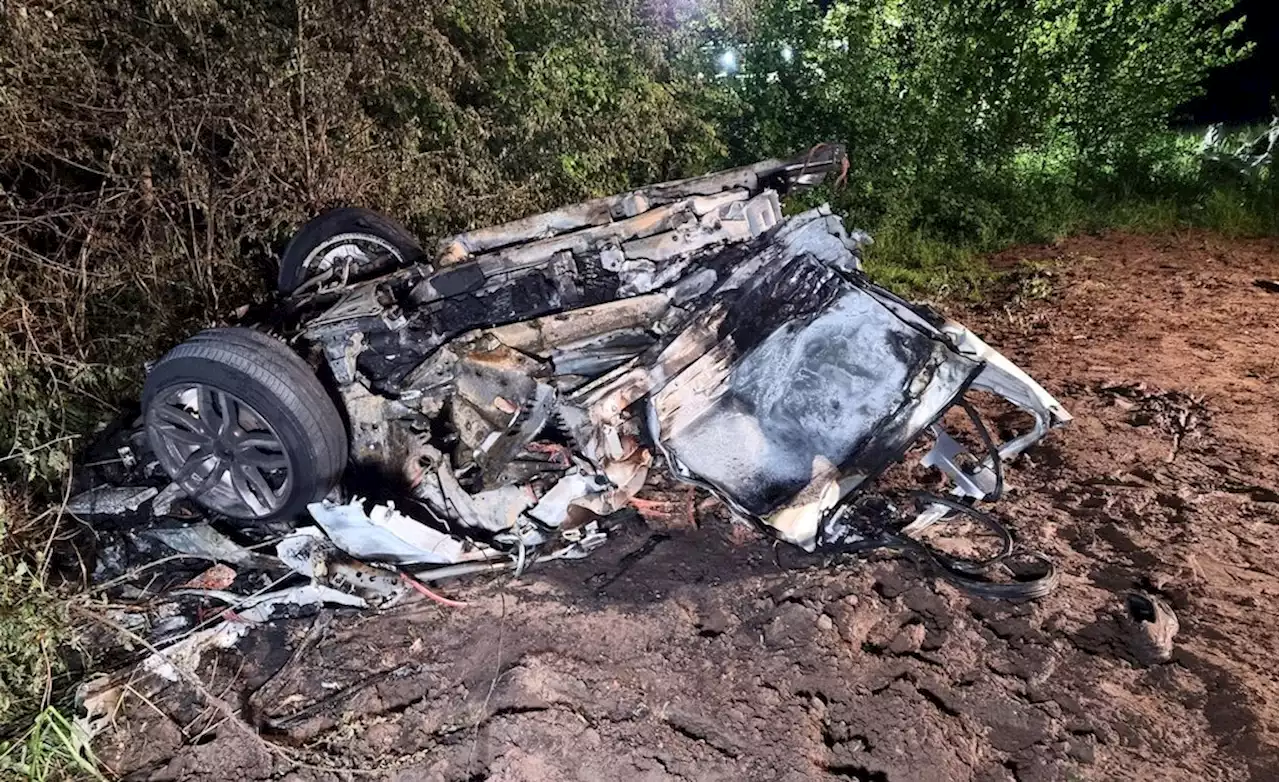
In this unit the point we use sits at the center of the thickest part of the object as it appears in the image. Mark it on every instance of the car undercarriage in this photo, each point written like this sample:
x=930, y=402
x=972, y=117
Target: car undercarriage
x=494, y=403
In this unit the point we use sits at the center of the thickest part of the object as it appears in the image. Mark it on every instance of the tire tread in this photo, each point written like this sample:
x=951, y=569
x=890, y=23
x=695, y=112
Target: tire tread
x=281, y=375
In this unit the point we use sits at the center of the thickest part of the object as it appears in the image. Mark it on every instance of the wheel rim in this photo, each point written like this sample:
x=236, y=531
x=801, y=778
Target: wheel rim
x=347, y=252
x=220, y=450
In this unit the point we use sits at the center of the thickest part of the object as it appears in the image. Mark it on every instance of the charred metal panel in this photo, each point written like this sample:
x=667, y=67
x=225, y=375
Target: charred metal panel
x=811, y=381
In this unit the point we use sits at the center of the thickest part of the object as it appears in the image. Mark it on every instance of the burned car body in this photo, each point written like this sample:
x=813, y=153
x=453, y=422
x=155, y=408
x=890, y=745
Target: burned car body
x=502, y=397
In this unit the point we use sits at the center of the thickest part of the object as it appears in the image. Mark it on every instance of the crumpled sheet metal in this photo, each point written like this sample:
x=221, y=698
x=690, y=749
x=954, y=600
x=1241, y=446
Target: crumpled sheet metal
x=310, y=554
x=786, y=413
x=779, y=175
x=522, y=387
x=727, y=338
x=202, y=540
x=383, y=534
x=110, y=500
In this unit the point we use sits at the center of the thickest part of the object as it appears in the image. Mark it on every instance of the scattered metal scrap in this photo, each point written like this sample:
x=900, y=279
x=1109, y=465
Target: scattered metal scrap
x=504, y=401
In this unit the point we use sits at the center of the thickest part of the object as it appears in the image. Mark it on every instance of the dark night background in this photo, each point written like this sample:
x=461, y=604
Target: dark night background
x=1245, y=91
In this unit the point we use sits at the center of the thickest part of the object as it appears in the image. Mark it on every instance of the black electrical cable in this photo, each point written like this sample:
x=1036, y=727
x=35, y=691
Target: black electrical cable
x=966, y=573
x=963, y=573
x=986, y=519
x=970, y=583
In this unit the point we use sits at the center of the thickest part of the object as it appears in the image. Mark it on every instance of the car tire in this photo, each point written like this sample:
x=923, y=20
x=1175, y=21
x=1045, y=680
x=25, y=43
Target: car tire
x=380, y=245
x=243, y=425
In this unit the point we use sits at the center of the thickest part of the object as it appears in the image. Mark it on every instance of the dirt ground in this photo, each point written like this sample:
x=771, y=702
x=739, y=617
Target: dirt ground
x=698, y=652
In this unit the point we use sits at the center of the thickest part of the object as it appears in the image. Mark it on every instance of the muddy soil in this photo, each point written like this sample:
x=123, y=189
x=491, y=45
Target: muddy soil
x=696, y=651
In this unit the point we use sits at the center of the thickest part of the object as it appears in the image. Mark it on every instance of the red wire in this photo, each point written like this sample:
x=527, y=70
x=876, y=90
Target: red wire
x=421, y=588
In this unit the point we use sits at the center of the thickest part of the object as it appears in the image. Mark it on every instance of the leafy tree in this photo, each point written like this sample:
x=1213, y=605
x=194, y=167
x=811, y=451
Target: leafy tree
x=944, y=104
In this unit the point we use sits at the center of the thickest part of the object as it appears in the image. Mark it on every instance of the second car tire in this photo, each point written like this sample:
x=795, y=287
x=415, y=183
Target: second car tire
x=344, y=221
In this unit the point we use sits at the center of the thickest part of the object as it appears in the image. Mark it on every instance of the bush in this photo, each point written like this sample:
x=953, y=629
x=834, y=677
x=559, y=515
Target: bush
x=978, y=122
x=154, y=154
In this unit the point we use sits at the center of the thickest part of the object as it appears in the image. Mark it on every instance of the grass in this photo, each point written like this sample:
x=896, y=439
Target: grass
x=34, y=627
x=911, y=263
x=1216, y=181
x=54, y=747
x=1221, y=180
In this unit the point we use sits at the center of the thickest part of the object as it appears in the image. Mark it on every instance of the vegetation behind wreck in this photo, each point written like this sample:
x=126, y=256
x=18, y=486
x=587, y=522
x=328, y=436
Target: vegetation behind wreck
x=154, y=156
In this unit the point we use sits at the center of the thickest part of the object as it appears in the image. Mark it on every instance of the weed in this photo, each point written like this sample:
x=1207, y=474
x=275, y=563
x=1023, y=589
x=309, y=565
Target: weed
x=33, y=622
x=53, y=748
x=908, y=262
x=1034, y=282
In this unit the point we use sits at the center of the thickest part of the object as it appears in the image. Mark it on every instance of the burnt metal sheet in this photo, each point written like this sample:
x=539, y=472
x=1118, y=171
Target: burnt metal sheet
x=793, y=399
x=803, y=170
x=382, y=534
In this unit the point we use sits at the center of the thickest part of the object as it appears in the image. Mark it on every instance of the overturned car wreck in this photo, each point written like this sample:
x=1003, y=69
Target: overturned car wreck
x=487, y=406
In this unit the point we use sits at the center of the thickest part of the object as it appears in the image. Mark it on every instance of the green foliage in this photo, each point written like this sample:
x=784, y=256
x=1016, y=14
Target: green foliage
x=52, y=748
x=33, y=627
x=911, y=263
x=978, y=121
